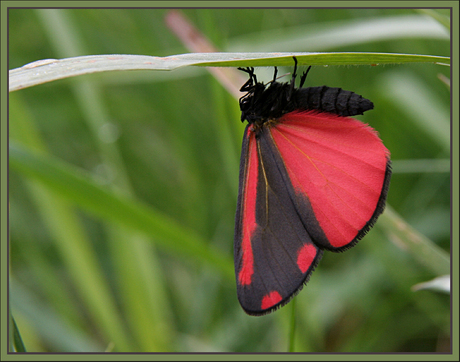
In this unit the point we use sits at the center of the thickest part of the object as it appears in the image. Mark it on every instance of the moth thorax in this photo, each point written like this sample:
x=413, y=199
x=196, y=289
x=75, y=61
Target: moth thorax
x=271, y=122
x=262, y=123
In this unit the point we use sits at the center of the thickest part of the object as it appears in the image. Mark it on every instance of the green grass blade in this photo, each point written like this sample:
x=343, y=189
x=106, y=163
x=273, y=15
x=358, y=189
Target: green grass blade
x=48, y=70
x=292, y=326
x=78, y=187
x=341, y=34
x=73, y=244
x=437, y=15
x=421, y=103
x=133, y=260
x=18, y=344
x=53, y=330
x=422, y=249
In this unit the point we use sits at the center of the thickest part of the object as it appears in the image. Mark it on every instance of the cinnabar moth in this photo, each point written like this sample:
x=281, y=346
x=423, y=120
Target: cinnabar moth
x=311, y=179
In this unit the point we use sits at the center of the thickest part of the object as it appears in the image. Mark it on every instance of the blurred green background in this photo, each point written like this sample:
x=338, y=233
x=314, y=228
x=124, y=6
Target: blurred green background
x=80, y=282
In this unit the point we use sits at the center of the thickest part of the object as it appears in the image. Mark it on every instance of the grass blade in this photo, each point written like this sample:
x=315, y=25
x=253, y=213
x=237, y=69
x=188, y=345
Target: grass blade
x=78, y=186
x=49, y=70
x=17, y=340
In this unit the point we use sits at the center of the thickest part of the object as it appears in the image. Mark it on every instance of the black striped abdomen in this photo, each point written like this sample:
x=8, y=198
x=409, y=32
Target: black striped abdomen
x=333, y=100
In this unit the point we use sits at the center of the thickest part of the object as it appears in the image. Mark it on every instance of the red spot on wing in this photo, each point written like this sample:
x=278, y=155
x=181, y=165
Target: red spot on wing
x=337, y=162
x=305, y=257
x=249, y=212
x=270, y=300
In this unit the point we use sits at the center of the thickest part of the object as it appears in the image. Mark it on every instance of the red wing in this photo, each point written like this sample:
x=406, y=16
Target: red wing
x=339, y=168
x=274, y=254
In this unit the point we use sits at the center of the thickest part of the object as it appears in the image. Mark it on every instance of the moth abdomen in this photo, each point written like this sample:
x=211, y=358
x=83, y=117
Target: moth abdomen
x=332, y=100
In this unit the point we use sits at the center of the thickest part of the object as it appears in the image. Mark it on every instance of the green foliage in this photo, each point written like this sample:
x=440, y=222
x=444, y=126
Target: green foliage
x=123, y=188
x=18, y=344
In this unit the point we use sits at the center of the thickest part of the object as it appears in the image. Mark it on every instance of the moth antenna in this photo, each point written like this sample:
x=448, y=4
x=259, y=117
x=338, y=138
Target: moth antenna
x=304, y=76
x=294, y=75
x=274, y=75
